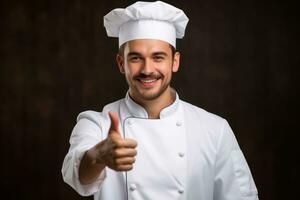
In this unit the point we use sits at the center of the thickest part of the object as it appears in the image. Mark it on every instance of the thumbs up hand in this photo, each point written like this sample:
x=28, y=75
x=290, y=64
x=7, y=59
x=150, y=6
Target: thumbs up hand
x=115, y=152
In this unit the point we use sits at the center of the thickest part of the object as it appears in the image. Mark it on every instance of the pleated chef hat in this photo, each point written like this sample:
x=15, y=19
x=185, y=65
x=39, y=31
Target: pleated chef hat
x=146, y=20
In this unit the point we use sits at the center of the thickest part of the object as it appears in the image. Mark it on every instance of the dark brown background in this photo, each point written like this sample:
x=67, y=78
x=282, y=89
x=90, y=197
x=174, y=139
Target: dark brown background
x=239, y=60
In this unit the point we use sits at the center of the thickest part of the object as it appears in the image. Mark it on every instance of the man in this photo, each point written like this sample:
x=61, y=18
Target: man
x=152, y=145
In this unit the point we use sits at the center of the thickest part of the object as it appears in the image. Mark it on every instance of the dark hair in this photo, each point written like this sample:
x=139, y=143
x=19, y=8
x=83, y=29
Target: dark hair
x=122, y=48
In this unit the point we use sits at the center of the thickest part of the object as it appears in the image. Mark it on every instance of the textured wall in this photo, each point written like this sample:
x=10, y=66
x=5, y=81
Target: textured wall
x=239, y=61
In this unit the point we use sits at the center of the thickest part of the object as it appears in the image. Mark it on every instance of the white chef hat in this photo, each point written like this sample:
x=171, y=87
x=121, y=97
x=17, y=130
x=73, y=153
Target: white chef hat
x=146, y=20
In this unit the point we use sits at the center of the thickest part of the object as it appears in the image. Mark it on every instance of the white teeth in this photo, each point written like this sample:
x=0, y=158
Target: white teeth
x=148, y=81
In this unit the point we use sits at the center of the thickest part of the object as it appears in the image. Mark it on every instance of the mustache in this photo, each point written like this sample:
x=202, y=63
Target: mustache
x=150, y=76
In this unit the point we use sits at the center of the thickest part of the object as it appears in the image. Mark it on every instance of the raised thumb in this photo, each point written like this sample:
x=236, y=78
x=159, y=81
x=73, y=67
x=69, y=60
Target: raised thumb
x=114, y=126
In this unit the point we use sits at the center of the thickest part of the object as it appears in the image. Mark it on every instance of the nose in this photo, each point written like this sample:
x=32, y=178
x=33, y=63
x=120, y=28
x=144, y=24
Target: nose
x=147, y=67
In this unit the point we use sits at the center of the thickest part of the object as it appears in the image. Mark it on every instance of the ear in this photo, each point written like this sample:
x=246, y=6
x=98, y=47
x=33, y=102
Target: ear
x=176, y=62
x=120, y=62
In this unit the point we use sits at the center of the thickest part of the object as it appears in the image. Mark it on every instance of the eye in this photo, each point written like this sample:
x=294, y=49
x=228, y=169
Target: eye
x=134, y=59
x=158, y=58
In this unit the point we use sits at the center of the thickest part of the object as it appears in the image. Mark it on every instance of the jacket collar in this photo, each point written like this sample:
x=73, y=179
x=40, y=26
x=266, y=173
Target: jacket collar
x=138, y=111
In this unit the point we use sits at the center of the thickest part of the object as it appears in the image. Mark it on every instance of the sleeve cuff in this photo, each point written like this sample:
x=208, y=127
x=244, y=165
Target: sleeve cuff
x=71, y=175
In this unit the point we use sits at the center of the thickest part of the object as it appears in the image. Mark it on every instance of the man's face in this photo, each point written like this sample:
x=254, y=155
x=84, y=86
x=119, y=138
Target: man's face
x=148, y=66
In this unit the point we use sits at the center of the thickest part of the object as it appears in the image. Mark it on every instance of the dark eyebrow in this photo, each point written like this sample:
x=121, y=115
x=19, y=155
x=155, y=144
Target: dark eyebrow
x=160, y=53
x=134, y=54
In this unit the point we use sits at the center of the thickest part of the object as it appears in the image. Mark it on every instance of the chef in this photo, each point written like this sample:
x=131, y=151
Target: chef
x=151, y=145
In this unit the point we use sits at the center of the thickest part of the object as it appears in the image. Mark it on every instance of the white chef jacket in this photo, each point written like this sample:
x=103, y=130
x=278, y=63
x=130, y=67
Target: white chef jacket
x=186, y=154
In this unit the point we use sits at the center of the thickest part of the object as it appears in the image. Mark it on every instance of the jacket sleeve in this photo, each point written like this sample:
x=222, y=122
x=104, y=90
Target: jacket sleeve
x=86, y=134
x=233, y=179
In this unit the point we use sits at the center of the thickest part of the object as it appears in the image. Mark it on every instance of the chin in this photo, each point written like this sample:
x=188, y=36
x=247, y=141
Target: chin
x=151, y=95
x=148, y=94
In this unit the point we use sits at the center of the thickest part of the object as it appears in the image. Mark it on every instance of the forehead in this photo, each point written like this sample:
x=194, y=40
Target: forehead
x=145, y=46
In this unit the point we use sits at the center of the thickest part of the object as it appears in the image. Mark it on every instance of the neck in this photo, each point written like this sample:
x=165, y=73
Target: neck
x=154, y=107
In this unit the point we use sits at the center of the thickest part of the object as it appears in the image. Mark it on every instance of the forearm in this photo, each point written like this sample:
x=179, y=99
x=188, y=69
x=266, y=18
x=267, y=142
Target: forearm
x=89, y=169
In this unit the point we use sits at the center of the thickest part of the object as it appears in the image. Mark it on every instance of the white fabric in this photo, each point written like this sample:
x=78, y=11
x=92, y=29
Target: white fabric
x=187, y=154
x=146, y=20
x=147, y=29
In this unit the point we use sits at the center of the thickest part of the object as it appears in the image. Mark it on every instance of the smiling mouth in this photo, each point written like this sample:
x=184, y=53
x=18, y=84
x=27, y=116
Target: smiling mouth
x=147, y=80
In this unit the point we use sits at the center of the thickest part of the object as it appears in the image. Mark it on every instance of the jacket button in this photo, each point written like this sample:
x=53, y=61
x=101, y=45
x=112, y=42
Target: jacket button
x=181, y=190
x=129, y=123
x=181, y=154
x=178, y=123
x=132, y=187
